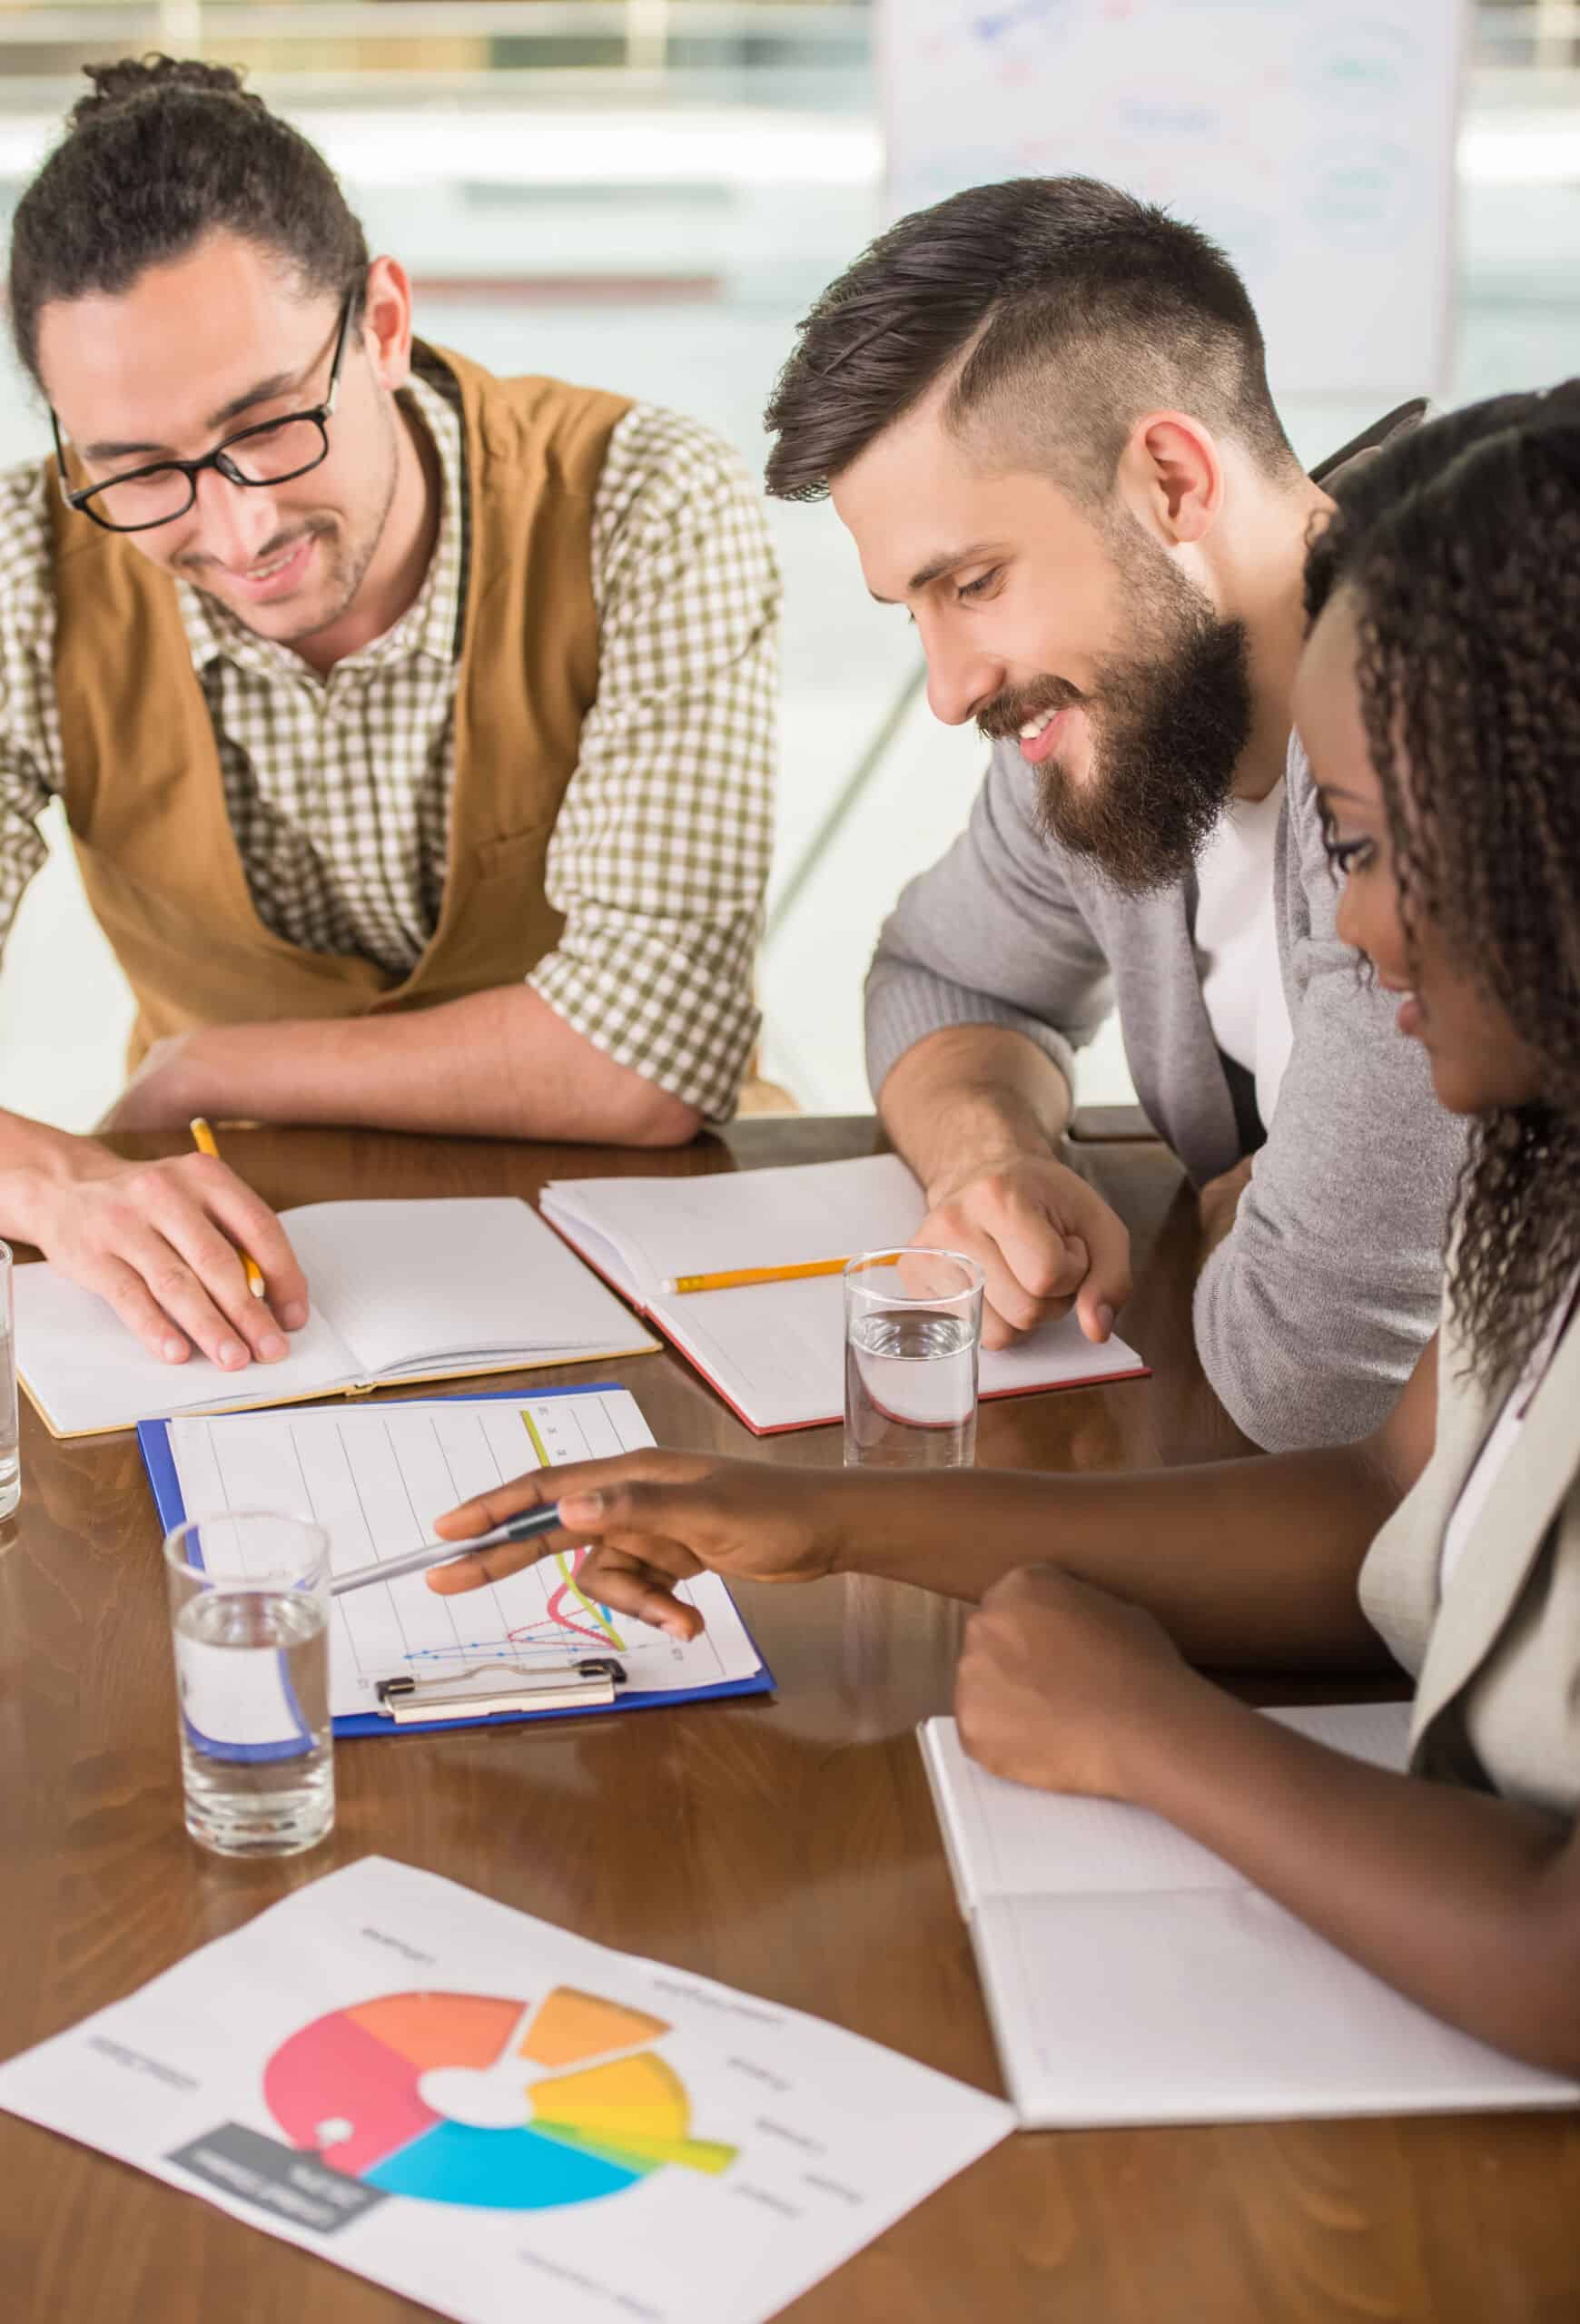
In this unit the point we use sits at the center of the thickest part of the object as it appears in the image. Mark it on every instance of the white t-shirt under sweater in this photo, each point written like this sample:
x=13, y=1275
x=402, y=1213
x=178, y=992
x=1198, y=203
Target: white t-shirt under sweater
x=1236, y=945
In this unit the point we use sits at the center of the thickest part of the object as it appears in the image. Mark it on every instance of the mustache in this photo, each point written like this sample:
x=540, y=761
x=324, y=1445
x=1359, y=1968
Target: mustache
x=1007, y=713
x=194, y=561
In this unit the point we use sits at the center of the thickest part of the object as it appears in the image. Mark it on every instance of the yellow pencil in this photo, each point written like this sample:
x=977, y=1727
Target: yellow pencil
x=735, y=1278
x=202, y=1138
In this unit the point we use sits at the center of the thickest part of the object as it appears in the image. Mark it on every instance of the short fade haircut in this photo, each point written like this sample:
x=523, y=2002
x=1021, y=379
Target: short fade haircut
x=163, y=152
x=1067, y=310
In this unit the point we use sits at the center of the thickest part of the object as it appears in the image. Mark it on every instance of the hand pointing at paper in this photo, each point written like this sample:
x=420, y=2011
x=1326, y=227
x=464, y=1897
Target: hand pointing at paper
x=652, y=1519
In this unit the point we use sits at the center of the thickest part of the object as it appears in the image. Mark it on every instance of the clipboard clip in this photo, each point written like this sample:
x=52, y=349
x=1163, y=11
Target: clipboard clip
x=588, y=1685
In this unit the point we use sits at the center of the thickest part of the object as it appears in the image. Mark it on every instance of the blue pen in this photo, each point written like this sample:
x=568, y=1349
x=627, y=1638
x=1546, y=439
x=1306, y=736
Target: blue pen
x=531, y=1522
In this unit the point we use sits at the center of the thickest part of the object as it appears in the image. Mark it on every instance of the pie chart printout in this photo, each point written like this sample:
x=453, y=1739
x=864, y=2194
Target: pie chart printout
x=496, y=2104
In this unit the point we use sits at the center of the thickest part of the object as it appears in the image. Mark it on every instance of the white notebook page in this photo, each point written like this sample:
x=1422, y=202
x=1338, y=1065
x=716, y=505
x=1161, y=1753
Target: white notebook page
x=1215, y=2006
x=666, y=1228
x=777, y=1350
x=376, y=1477
x=413, y=1285
x=87, y=1372
x=1009, y=1840
x=1133, y=1976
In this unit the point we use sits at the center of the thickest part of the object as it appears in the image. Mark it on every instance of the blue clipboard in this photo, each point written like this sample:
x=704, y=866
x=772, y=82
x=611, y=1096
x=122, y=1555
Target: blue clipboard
x=153, y=1443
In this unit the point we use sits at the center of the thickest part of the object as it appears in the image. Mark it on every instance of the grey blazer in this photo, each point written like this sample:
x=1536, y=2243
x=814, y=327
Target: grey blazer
x=1497, y=1658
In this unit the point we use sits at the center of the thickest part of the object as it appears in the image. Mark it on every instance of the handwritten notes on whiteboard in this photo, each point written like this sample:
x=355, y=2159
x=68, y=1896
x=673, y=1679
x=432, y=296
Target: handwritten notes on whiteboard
x=1313, y=139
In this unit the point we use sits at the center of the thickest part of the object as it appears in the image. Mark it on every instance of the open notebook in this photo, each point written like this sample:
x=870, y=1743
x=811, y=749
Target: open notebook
x=1133, y=1976
x=400, y=1290
x=776, y=1352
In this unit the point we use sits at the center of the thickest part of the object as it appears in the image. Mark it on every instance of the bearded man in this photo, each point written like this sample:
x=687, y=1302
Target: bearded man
x=1041, y=410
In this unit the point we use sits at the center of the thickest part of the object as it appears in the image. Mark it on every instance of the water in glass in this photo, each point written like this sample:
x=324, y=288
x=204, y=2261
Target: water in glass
x=910, y=1390
x=257, y=1757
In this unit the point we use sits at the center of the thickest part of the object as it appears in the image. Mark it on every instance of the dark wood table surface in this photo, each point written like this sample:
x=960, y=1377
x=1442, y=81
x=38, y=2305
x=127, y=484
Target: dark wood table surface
x=788, y=1846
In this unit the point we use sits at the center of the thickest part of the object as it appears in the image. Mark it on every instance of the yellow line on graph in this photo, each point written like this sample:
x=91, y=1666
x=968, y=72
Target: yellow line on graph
x=577, y=1591
x=597, y=1613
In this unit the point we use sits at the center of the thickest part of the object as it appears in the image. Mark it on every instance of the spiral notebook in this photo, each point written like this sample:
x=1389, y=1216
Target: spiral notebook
x=375, y=1477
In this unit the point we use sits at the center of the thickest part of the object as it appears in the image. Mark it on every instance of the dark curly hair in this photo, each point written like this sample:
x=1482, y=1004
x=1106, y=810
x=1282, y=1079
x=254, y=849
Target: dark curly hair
x=1460, y=547
x=165, y=151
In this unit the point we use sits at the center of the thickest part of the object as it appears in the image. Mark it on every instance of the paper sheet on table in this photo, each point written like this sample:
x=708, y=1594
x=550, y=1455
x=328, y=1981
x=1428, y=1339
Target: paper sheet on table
x=492, y=2115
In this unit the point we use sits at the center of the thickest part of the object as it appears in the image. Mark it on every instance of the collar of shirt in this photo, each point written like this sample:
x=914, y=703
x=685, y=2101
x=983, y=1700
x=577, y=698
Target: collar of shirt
x=429, y=626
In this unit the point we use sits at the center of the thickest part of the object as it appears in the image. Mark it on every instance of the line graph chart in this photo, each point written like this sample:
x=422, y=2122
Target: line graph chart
x=377, y=1478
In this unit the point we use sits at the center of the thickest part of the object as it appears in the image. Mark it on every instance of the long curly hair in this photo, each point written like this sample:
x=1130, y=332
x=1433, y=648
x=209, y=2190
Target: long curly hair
x=1460, y=547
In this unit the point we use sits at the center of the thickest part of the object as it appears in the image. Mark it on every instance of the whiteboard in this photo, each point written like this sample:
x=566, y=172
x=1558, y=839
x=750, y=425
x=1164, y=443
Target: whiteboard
x=1312, y=139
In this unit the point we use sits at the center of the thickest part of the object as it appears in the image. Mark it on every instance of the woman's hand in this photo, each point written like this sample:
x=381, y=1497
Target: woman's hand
x=1065, y=1686
x=653, y=1519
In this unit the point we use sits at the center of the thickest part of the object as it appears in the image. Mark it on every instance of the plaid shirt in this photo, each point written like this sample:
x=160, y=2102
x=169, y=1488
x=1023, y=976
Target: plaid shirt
x=337, y=788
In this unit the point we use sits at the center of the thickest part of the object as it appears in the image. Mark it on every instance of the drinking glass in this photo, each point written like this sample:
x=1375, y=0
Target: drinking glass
x=913, y=1330
x=10, y=1456
x=249, y=1610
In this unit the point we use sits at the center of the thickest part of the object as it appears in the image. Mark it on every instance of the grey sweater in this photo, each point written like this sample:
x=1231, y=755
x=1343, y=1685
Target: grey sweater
x=1312, y=1312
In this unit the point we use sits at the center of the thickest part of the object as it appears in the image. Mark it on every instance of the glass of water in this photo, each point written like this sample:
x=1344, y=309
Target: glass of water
x=10, y=1457
x=913, y=1328
x=249, y=1607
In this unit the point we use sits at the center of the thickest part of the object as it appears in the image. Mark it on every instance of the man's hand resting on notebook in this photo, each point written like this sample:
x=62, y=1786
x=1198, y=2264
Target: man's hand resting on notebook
x=1068, y=1688
x=159, y=1242
x=653, y=1519
x=1045, y=1239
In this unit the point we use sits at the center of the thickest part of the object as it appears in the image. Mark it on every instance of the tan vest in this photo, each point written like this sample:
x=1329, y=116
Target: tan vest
x=1497, y=1657
x=142, y=788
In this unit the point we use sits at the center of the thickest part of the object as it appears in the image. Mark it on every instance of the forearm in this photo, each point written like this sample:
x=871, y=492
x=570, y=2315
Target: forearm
x=1467, y=1902
x=970, y=1097
x=1244, y=1562
x=498, y=1064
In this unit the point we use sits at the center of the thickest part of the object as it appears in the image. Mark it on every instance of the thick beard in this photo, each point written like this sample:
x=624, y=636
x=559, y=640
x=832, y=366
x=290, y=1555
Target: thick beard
x=1168, y=730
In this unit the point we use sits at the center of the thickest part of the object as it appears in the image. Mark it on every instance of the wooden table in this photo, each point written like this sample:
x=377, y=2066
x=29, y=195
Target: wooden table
x=788, y=1847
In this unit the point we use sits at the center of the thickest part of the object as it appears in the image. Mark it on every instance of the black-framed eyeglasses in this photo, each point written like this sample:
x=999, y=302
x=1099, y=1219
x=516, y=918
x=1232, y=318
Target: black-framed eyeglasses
x=273, y=452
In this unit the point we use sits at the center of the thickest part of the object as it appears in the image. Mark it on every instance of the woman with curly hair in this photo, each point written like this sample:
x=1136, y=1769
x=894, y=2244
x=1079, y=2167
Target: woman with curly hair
x=1438, y=697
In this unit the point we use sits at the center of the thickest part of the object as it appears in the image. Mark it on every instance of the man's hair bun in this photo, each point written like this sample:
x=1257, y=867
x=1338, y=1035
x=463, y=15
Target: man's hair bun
x=130, y=78
x=162, y=153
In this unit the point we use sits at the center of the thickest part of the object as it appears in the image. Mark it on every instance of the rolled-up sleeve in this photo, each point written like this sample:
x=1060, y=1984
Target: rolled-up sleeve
x=660, y=853
x=991, y=935
x=29, y=735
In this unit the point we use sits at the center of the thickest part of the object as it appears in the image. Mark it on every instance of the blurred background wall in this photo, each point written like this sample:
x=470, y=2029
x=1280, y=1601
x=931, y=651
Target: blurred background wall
x=647, y=194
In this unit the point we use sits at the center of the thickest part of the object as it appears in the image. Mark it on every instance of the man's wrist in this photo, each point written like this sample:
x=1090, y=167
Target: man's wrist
x=985, y=1161
x=194, y=1080
x=38, y=1180
x=969, y=1100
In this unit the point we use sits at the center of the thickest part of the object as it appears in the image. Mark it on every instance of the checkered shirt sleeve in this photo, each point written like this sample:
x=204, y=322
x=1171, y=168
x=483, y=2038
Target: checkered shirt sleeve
x=29, y=742
x=659, y=856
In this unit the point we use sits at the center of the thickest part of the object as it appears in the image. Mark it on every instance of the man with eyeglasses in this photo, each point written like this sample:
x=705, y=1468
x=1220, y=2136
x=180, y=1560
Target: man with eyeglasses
x=413, y=726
